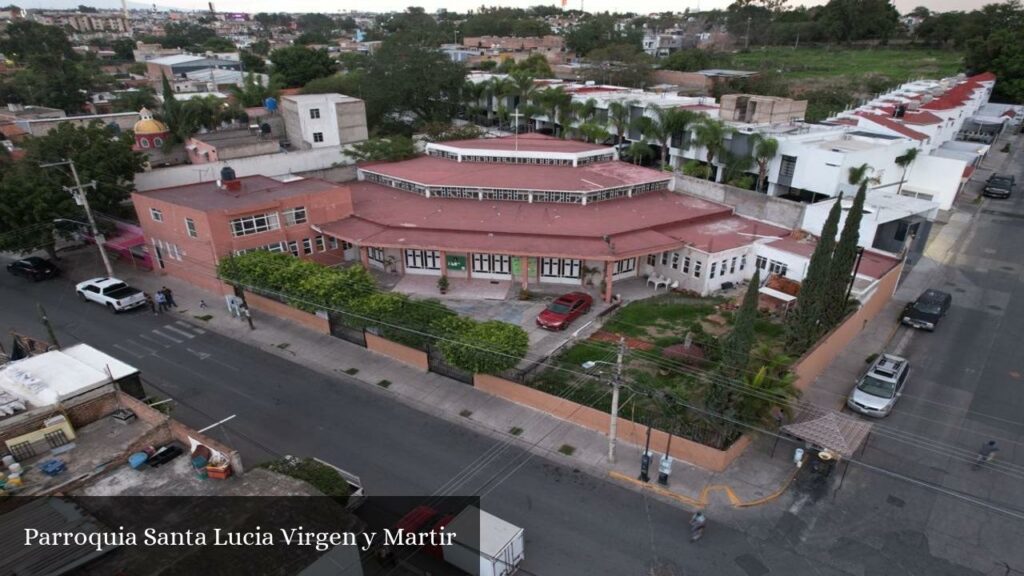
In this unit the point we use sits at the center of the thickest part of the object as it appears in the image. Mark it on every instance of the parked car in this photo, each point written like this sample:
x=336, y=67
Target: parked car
x=880, y=387
x=999, y=186
x=34, y=268
x=566, y=308
x=927, y=310
x=110, y=292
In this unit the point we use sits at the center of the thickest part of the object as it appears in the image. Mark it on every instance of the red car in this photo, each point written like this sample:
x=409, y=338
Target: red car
x=560, y=313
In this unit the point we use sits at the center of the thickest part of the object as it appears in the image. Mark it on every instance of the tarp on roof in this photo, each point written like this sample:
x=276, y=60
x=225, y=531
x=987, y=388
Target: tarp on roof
x=50, y=515
x=829, y=429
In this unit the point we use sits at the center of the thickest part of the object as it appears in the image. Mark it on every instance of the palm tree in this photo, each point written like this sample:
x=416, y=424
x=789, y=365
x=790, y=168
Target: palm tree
x=251, y=92
x=735, y=166
x=859, y=177
x=764, y=150
x=472, y=92
x=501, y=87
x=592, y=132
x=619, y=115
x=666, y=123
x=904, y=161
x=710, y=134
x=555, y=102
x=638, y=151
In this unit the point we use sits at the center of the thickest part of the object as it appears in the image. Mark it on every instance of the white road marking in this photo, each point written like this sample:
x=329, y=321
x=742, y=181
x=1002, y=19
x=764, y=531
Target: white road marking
x=123, y=349
x=181, y=332
x=188, y=326
x=171, y=338
x=201, y=355
x=157, y=342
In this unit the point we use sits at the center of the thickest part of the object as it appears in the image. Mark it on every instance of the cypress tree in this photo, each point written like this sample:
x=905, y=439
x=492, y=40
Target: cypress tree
x=804, y=324
x=843, y=260
x=737, y=345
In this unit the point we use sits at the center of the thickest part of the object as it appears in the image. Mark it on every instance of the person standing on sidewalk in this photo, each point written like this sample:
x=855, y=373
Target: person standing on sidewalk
x=169, y=297
x=161, y=301
x=150, y=302
x=697, y=524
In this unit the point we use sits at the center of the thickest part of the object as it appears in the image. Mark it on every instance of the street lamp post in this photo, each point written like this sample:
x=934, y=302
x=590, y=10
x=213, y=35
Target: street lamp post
x=616, y=385
x=78, y=193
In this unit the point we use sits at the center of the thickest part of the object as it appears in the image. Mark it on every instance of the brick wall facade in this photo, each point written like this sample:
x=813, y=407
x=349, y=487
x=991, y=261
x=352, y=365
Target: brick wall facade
x=275, y=308
x=404, y=354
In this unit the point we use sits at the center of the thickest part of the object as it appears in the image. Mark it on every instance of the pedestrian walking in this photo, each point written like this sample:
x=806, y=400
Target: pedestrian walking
x=161, y=301
x=202, y=304
x=697, y=524
x=986, y=454
x=151, y=302
x=169, y=297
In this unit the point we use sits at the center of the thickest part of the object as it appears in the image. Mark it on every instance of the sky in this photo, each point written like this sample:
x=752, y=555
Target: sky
x=462, y=5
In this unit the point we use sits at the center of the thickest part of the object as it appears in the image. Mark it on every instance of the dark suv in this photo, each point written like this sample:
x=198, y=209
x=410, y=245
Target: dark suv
x=927, y=310
x=999, y=186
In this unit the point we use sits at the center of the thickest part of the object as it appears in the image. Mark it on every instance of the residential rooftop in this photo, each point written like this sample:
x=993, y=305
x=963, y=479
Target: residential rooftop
x=252, y=193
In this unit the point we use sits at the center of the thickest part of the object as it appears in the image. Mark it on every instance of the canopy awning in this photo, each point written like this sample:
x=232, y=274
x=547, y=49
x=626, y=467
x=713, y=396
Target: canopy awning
x=829, y=429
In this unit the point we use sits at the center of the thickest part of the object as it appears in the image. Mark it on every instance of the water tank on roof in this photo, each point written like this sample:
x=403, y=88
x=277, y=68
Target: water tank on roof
x=265, y=128
x=227, y=174
x=270, y=104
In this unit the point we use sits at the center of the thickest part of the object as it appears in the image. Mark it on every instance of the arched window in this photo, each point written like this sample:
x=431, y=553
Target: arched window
x=144, y=142
x=158, y=141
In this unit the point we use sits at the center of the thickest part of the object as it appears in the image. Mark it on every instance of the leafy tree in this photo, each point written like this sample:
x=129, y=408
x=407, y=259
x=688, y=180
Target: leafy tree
x=503, y=22
x=1001, y=53
x=269, y=20
x=186, y=35
x=307, y=38
x=852, y=20
x=482, y=347
x=316, y=23
x=618, y=64
x=599, y=30
x=534, y=65
x=768, y=390
x=747, y=22
x=765, y=149
x=845, y=254
x=50, y=73
x=24, y=39
x=407, y=80
x=639, y=151
x=619, y=114
x=261, y=47
x=349, y=84
x=305, y=284
x=668, y=122
x=415, y=26
x=710, y=133
x=694, y=59
x=297, y=65
x=736, y=346
x=409, y=322
x=134, y=100
x=218, y=44
x=806, y=323
x=383, y=149
x=555, y=102
x=252, y=62
x=735, y=168
x=251, y=92
x=124, y=48
x=32, y=198
x=904, y=161
x=445, y=132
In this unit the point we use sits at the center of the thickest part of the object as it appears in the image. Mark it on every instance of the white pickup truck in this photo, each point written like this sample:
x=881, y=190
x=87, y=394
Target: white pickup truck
x=112, y=293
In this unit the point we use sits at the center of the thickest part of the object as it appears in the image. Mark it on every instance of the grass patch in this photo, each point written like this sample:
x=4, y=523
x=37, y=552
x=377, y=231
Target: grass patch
x=669, y=313
x=567, y=449
x=768, y=329
x=204, y=317
x=466, y=413
x=352, y=371
x=384, y=383
x=816, y=62
x=320, y=476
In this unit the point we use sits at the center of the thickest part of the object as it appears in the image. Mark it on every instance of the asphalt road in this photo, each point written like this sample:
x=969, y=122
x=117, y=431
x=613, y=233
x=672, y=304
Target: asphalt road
x=966, y=387
x=575, y=524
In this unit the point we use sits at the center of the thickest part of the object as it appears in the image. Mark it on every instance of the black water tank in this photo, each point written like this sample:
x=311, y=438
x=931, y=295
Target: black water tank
x=227, y=174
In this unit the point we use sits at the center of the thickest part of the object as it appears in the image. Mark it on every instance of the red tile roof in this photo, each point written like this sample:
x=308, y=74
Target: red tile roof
x=893, y=125
x=434, y=171
x=532, y=142
x=613, y=229
x=968, y=170
x=921, y=118
x=873, y=264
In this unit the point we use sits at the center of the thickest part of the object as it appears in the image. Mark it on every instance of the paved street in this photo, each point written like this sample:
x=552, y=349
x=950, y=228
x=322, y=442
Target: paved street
x=575, y=524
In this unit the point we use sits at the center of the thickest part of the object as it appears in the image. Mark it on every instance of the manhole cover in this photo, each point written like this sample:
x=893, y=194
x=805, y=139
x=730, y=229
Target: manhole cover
x=751, y=565
x=894, y=501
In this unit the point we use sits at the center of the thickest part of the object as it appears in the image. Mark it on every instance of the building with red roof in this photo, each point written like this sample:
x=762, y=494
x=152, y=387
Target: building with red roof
x=541, y=210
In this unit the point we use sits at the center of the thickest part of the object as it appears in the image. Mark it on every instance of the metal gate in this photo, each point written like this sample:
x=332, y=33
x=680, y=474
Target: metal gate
x=437, y=364
x=341, y=330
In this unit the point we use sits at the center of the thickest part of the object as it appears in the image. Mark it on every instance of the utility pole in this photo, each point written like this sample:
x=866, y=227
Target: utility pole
x=746, y=41
x=49, y=327
x=78, y=193
x=616, y=384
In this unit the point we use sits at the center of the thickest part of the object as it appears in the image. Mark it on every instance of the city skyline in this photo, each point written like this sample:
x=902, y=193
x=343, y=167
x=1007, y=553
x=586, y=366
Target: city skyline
x=651, y=6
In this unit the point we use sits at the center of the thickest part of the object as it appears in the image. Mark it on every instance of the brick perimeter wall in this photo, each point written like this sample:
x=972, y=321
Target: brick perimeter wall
x=402, y=353
x=817, y=359
x=627, y=431
x=311, y=321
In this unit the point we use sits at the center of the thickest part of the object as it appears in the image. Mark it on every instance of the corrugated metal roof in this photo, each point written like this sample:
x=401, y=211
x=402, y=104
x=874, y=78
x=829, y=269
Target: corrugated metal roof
x=46, y=515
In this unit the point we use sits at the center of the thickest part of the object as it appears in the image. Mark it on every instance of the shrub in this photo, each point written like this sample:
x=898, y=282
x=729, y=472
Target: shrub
x=486, y=347
x=319, y=475
x=303, y=284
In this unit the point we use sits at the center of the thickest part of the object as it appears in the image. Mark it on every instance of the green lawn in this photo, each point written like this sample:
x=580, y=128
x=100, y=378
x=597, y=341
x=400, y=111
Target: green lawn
x=662, y=314
x=822, y=63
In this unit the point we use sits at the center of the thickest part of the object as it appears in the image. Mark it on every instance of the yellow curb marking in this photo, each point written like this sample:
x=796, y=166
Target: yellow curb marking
x=705, y=494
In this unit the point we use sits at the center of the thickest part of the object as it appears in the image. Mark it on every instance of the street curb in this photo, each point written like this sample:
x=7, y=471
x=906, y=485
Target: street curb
x=705, y=494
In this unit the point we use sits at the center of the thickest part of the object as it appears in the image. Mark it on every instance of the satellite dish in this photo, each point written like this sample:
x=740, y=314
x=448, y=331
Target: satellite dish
x=826, y=455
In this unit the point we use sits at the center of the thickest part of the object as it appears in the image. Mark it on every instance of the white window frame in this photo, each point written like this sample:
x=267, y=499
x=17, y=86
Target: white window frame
x=624, y=267
x=255, y=224
x=732, y=265
x=561, y=270
x=321, y=245
x=332, y=242
x=294, y=216
x=293, y=247
x=491, y=265
x=743, y=262
x=190, y=228
x=776, y=267
x=761, y=262
x=307, y=246
x=675, y=260
x=156, y=214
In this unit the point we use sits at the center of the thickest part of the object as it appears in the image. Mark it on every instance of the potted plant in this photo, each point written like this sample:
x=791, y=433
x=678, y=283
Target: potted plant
x=389, y=265
x=442, y=284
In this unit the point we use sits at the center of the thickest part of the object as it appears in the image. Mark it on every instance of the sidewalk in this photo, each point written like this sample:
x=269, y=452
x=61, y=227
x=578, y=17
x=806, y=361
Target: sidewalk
x=753, y=478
